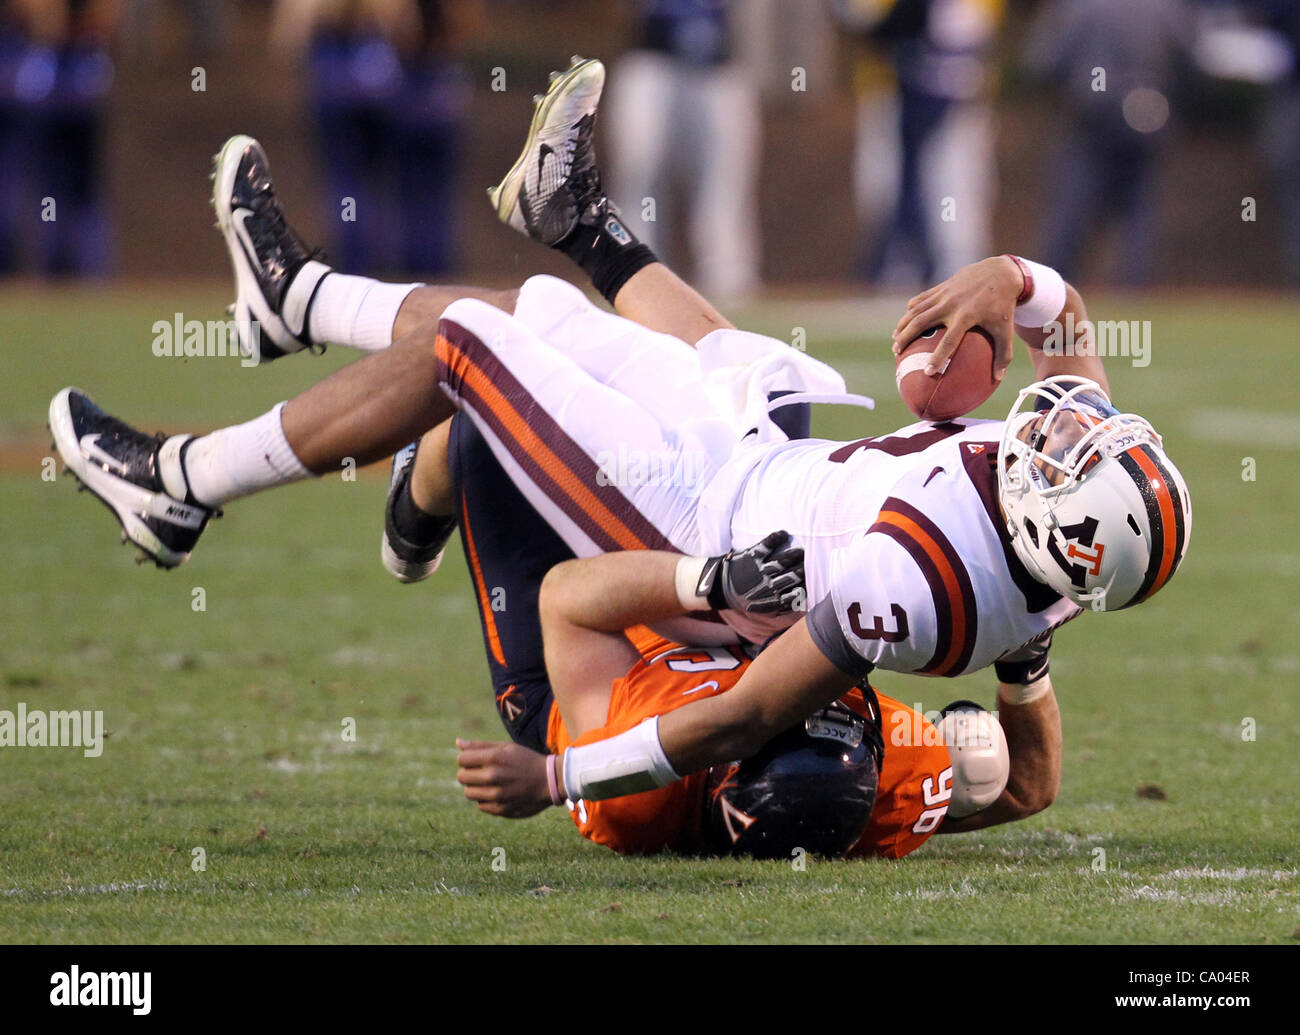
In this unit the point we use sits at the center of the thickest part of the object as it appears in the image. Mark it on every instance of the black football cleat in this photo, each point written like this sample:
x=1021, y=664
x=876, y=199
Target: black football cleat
x=555, y=181
x=120, y=466
x=266, y=254
x=408, y=561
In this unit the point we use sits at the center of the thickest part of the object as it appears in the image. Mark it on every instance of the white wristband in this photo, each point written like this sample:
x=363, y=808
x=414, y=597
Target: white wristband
x=687, y=578
x=1027, y=693
x=629, y=763
x=1048, y=298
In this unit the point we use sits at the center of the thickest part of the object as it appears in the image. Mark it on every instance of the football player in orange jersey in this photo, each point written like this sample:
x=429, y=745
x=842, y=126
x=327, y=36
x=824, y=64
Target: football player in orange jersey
x=759, y=807
x=813, y=789
x=970, y=772
x=920, y=777
x=712, y=811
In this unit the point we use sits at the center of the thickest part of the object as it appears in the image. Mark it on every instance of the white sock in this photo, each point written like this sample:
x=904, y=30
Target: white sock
x=235, y=461
x=355, y=311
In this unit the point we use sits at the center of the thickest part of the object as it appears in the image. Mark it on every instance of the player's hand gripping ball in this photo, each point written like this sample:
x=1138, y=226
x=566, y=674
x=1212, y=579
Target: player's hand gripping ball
x=961, y=386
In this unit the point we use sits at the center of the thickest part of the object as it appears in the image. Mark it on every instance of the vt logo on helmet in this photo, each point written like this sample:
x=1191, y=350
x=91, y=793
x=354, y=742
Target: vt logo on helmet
x=1094, y=507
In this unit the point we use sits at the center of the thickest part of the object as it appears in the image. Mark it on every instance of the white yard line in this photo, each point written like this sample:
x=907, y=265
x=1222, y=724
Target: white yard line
x=114, y=888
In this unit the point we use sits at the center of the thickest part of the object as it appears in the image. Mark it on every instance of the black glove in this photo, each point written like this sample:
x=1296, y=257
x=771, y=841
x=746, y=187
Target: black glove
x=764, y=579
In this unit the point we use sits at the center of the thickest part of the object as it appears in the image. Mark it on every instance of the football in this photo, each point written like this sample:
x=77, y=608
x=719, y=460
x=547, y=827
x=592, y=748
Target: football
x=957, y=389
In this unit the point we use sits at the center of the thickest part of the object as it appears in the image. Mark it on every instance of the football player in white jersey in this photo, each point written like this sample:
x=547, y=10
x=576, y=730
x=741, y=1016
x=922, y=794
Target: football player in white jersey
x=938, y=549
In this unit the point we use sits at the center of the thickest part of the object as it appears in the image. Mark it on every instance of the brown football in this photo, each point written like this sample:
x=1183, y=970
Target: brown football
x=954, y=391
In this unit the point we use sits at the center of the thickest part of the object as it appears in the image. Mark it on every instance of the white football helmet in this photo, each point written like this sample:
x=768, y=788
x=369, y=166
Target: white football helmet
x=981, y=761
x=1093, y=505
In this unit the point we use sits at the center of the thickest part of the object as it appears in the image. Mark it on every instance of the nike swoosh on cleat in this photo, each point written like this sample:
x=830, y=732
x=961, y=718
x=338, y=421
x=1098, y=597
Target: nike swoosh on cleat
x=237, y=218
x=543, y=153
x=90, y=446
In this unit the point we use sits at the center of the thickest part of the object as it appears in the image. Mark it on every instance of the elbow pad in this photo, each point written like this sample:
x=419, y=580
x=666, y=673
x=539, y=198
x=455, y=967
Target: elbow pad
x=981, y=761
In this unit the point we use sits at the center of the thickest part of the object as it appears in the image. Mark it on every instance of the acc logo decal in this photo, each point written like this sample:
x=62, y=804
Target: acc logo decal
x=1121, y=444
x=616, y=230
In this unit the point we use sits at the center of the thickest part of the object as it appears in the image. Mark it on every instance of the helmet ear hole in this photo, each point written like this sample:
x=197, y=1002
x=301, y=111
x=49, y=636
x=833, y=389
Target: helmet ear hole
x=1134, y=525
x=1032, y=530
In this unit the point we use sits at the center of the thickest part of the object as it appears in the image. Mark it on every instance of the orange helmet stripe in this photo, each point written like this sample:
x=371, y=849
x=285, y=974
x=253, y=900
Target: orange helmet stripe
x=1168, y=535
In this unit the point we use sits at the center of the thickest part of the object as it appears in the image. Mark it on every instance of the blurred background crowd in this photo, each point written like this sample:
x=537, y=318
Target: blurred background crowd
x=1131, y=142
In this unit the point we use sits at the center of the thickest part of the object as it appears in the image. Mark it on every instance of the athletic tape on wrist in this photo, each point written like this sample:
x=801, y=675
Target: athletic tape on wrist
x=1047, y=300
x=553, y=781
x=1015, y=694
x=687, y=579
x=629, y=763
x=1027, y=279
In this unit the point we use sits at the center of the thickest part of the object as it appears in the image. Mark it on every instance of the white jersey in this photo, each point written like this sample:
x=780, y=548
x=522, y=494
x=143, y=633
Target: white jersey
x=907, y=561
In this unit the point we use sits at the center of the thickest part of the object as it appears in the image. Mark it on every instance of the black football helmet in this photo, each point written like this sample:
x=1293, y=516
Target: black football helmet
x=811, y=787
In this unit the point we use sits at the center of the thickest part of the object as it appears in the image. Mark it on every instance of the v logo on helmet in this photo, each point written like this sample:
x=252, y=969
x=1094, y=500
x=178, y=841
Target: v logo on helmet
x=730, y=813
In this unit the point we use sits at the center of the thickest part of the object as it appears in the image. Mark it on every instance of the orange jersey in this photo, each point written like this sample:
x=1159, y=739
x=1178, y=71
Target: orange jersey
x=915, y=784
x=667, y=677
x=916, y=773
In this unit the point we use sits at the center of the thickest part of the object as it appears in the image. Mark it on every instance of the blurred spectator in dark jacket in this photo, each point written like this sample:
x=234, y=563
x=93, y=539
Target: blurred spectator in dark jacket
x=1282, y=130
x=13, y=165
x=205, y=21
x=428, y=130
x=55, y=74
x=390, y=98
x=1116, y=64
x=683, y=112
x=1258, y=42
x=925, y=173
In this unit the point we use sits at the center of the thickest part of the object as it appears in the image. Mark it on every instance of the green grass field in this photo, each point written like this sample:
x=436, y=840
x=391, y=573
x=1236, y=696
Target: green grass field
x=225, y=724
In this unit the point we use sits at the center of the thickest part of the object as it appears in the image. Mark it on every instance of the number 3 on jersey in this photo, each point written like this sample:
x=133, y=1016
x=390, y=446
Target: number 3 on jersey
x=701, y=659
x=877, y=630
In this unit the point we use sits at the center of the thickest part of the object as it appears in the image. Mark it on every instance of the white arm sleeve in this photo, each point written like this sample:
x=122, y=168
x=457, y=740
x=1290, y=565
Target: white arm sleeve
x=628, y=763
